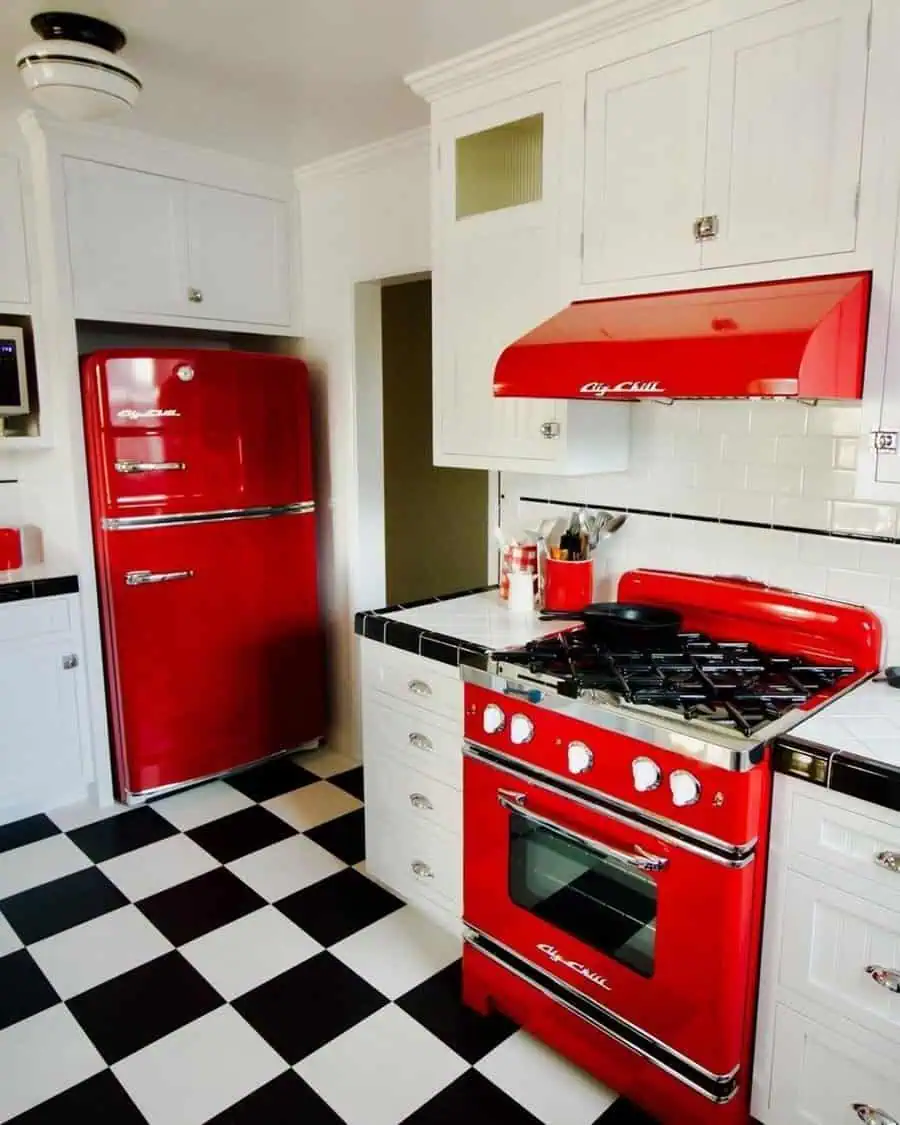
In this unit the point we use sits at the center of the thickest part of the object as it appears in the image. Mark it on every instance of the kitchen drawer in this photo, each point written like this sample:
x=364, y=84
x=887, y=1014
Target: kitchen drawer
x=829, y=938
x=425, y=684
x=416, y=860
x=818, y=1078
x=402, y=792
x=428, y=743
x=37, y=617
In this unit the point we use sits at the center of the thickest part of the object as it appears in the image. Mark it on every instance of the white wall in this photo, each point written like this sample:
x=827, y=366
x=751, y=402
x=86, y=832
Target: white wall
x=363, y=217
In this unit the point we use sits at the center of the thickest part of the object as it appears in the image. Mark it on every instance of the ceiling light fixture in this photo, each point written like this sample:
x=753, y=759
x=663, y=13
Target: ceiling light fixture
x=74, y=71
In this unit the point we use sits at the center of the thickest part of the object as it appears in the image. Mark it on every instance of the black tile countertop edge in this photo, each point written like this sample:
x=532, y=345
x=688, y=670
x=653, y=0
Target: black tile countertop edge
x=877, y=783
x=375, y=625
x=38, y=588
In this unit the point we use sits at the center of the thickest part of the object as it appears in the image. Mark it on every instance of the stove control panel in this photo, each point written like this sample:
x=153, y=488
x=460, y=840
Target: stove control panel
x=647, y=775
x=685, y=788
x=521, y=730
x=493, y=719
x=580, y=758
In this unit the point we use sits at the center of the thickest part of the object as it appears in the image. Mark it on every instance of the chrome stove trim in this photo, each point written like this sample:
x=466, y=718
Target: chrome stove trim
x=678, y=835
x=223, y=515
x=607, y=1022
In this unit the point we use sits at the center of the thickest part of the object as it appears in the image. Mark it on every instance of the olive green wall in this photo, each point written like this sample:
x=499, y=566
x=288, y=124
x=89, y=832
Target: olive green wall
x=435, y=519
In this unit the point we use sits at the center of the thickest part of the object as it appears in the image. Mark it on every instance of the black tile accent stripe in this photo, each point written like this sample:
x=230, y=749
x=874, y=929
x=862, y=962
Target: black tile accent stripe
x=375, y=625
x=659, y=514
x=39, y=588
x=874, y=782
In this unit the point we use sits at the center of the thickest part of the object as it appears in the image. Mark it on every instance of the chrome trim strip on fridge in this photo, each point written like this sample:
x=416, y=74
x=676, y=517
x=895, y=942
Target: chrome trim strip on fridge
x=718, y=1088
x=129, y=523
x=689, y=839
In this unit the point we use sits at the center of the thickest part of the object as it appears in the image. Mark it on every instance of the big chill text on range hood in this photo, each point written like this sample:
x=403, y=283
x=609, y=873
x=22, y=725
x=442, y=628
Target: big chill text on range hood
x=802, y=339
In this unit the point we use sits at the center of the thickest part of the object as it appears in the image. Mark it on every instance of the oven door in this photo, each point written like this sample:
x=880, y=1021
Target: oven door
x=655, y=932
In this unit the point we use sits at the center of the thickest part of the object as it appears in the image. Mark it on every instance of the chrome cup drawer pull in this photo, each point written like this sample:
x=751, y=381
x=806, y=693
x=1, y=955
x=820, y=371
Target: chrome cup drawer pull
x=149, y=578
x=887, y=978
x=421, y=870
x=420, y=741
x=890, y=861
x=419, y=687
x=420, y=801
x=871, y=1116
x=150, y=466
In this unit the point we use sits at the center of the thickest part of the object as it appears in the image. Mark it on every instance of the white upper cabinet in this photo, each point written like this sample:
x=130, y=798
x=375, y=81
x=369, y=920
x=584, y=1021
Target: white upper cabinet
x=144, y=246
x=787, y=97
x=14, y=288
x=644, y=152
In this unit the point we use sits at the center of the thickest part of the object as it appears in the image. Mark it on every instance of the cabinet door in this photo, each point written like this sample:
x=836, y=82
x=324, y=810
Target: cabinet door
x=13, y=259
x=239, y=255
x=787, y=95
x=645, y=148
x=40, y=741
x=127, y=241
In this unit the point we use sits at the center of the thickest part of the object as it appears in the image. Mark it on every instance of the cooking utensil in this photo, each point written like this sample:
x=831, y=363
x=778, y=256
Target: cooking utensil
x=612, y=525
x=622, y=623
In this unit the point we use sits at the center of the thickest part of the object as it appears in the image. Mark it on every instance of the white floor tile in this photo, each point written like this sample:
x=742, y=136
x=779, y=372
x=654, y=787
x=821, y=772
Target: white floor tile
x=325, y=762
x=313, y=804
x=196, y=1072
x=279, y=870
x=42, y=1056
x=28, y=866
x=9, y=939
x=240, y=956
x=96, y=951
x=157, y=867
x=381, y=1070
x=194, y=807
x=85, y=812
x=556, y=1091
x=398, y=952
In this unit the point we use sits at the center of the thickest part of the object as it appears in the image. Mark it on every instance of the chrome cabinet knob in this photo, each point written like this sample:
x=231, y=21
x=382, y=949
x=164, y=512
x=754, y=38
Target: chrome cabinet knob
x=887, y=978
x=69, y=661
x=420, y=741
x=521, y=730
x=420, y=801
x=646, y=774
x=195, y=296
x=685, y=788
x=421, y=870
x=493, y=720
x=580, y=757
x=419, y=687
x=890, y=861
x=871, y=1116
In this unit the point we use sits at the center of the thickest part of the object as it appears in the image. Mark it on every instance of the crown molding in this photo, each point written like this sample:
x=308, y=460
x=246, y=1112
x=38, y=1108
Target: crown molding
x=366, y=157
x=578, y=28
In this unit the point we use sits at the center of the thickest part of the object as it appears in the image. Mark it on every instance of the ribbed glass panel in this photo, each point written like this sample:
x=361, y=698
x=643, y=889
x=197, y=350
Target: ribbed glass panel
x=500, y=167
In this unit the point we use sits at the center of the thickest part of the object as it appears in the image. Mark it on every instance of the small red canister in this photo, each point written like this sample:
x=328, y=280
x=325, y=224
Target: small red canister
x=568, y=585
x=10, y=548
x=516, y=558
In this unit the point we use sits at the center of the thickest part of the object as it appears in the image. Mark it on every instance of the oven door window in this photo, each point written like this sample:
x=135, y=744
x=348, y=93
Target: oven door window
x=584, y=892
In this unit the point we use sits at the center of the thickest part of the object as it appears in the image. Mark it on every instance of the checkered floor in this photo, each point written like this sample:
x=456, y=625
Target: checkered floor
x=219, y=956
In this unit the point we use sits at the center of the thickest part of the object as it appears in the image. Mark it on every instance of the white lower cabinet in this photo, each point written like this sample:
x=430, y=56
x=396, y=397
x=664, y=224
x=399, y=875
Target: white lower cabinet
x=42, y=702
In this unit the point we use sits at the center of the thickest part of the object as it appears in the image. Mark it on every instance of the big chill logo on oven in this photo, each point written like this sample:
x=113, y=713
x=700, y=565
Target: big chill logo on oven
x=131, y=415
x=576, y=966
x=628, y=387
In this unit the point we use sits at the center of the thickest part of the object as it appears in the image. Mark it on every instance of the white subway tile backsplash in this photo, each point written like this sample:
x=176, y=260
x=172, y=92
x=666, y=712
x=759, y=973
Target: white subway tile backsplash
x=774, y=418
x=880, y=558
x=839, y=421
x=723, y=416
x=895, y=592
x=816, y=452
x=822, y=550
x=846, y=453
x=858, y=587
x=864, y=519
x=749, y=449
x=776, y=480
x=828, y=484
x=802, y=511
x=743, y=505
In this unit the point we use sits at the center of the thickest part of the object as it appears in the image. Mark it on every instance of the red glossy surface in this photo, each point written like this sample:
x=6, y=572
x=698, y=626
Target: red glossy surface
x=10, y=548
x=568, y=585
x=803, y=339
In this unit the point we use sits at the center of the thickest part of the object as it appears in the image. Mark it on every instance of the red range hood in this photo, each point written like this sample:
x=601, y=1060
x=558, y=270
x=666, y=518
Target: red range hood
x=802, y=339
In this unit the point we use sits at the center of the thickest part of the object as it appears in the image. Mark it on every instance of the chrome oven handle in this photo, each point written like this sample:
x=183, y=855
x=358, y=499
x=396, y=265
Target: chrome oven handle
x=642, y=860
x=150, y=466
x=887, y=978
x=890, y=861
x=871, y=1116
x=149, y=578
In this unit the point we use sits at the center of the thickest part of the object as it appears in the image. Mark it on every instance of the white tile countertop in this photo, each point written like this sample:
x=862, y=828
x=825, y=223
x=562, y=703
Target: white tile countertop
x=481, y=619
x=864, y=722
x=38, y=572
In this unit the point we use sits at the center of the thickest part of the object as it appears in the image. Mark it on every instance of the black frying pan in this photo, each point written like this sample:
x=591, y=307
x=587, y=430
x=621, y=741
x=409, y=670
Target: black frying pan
x=622, y=623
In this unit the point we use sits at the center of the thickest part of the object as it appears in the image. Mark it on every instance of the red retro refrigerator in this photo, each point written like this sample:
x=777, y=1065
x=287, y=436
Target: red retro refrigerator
x=200, y=467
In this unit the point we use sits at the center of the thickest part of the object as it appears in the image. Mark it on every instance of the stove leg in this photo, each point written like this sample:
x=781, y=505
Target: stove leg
x=475, y=992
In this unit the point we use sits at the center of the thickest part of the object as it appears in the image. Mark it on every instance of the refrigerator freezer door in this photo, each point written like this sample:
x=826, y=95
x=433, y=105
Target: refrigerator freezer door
x=194, y=431
x=215, y=655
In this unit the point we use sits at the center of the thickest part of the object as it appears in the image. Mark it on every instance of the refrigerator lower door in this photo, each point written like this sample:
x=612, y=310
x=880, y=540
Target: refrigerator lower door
x=214, y=647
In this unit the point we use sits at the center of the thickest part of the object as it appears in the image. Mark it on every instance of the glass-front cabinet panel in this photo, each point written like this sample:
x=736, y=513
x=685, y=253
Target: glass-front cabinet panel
x=500, y=167
x=585, y=892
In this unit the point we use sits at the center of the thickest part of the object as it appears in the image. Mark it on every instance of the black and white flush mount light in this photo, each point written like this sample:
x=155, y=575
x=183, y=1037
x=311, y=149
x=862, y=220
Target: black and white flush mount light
x=74, y=69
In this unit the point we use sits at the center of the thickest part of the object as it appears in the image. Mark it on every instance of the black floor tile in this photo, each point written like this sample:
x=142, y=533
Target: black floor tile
x=474, y=1100
x=240, y=833
x=24, y=990
x=437, y=1004
x=345, y=836
x=52, y=907
x=123, y=833
x=286, y=1100
x=27, y=831
x=624, y=1112
x=135, y=1009
x=99, y=1099
x=272, y=779
x=190, y=909
x=338, y=906
x=351, y=781
x=303, y=1009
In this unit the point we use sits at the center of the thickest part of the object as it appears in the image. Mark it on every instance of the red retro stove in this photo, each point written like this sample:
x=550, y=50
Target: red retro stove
x=616, y=824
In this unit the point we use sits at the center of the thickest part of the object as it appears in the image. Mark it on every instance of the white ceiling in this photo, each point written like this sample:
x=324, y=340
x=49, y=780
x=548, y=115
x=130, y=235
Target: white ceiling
x=282, y=80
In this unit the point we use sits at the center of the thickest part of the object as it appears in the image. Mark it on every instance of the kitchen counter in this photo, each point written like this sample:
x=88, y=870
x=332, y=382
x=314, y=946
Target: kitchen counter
x=442, y=628
x=40, y=580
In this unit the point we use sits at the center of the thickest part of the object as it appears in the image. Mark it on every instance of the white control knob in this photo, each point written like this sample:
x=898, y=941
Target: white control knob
x=646, y=774
x=494, y=720
x=581, y=757
x=521, y=730
x=685, y=788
